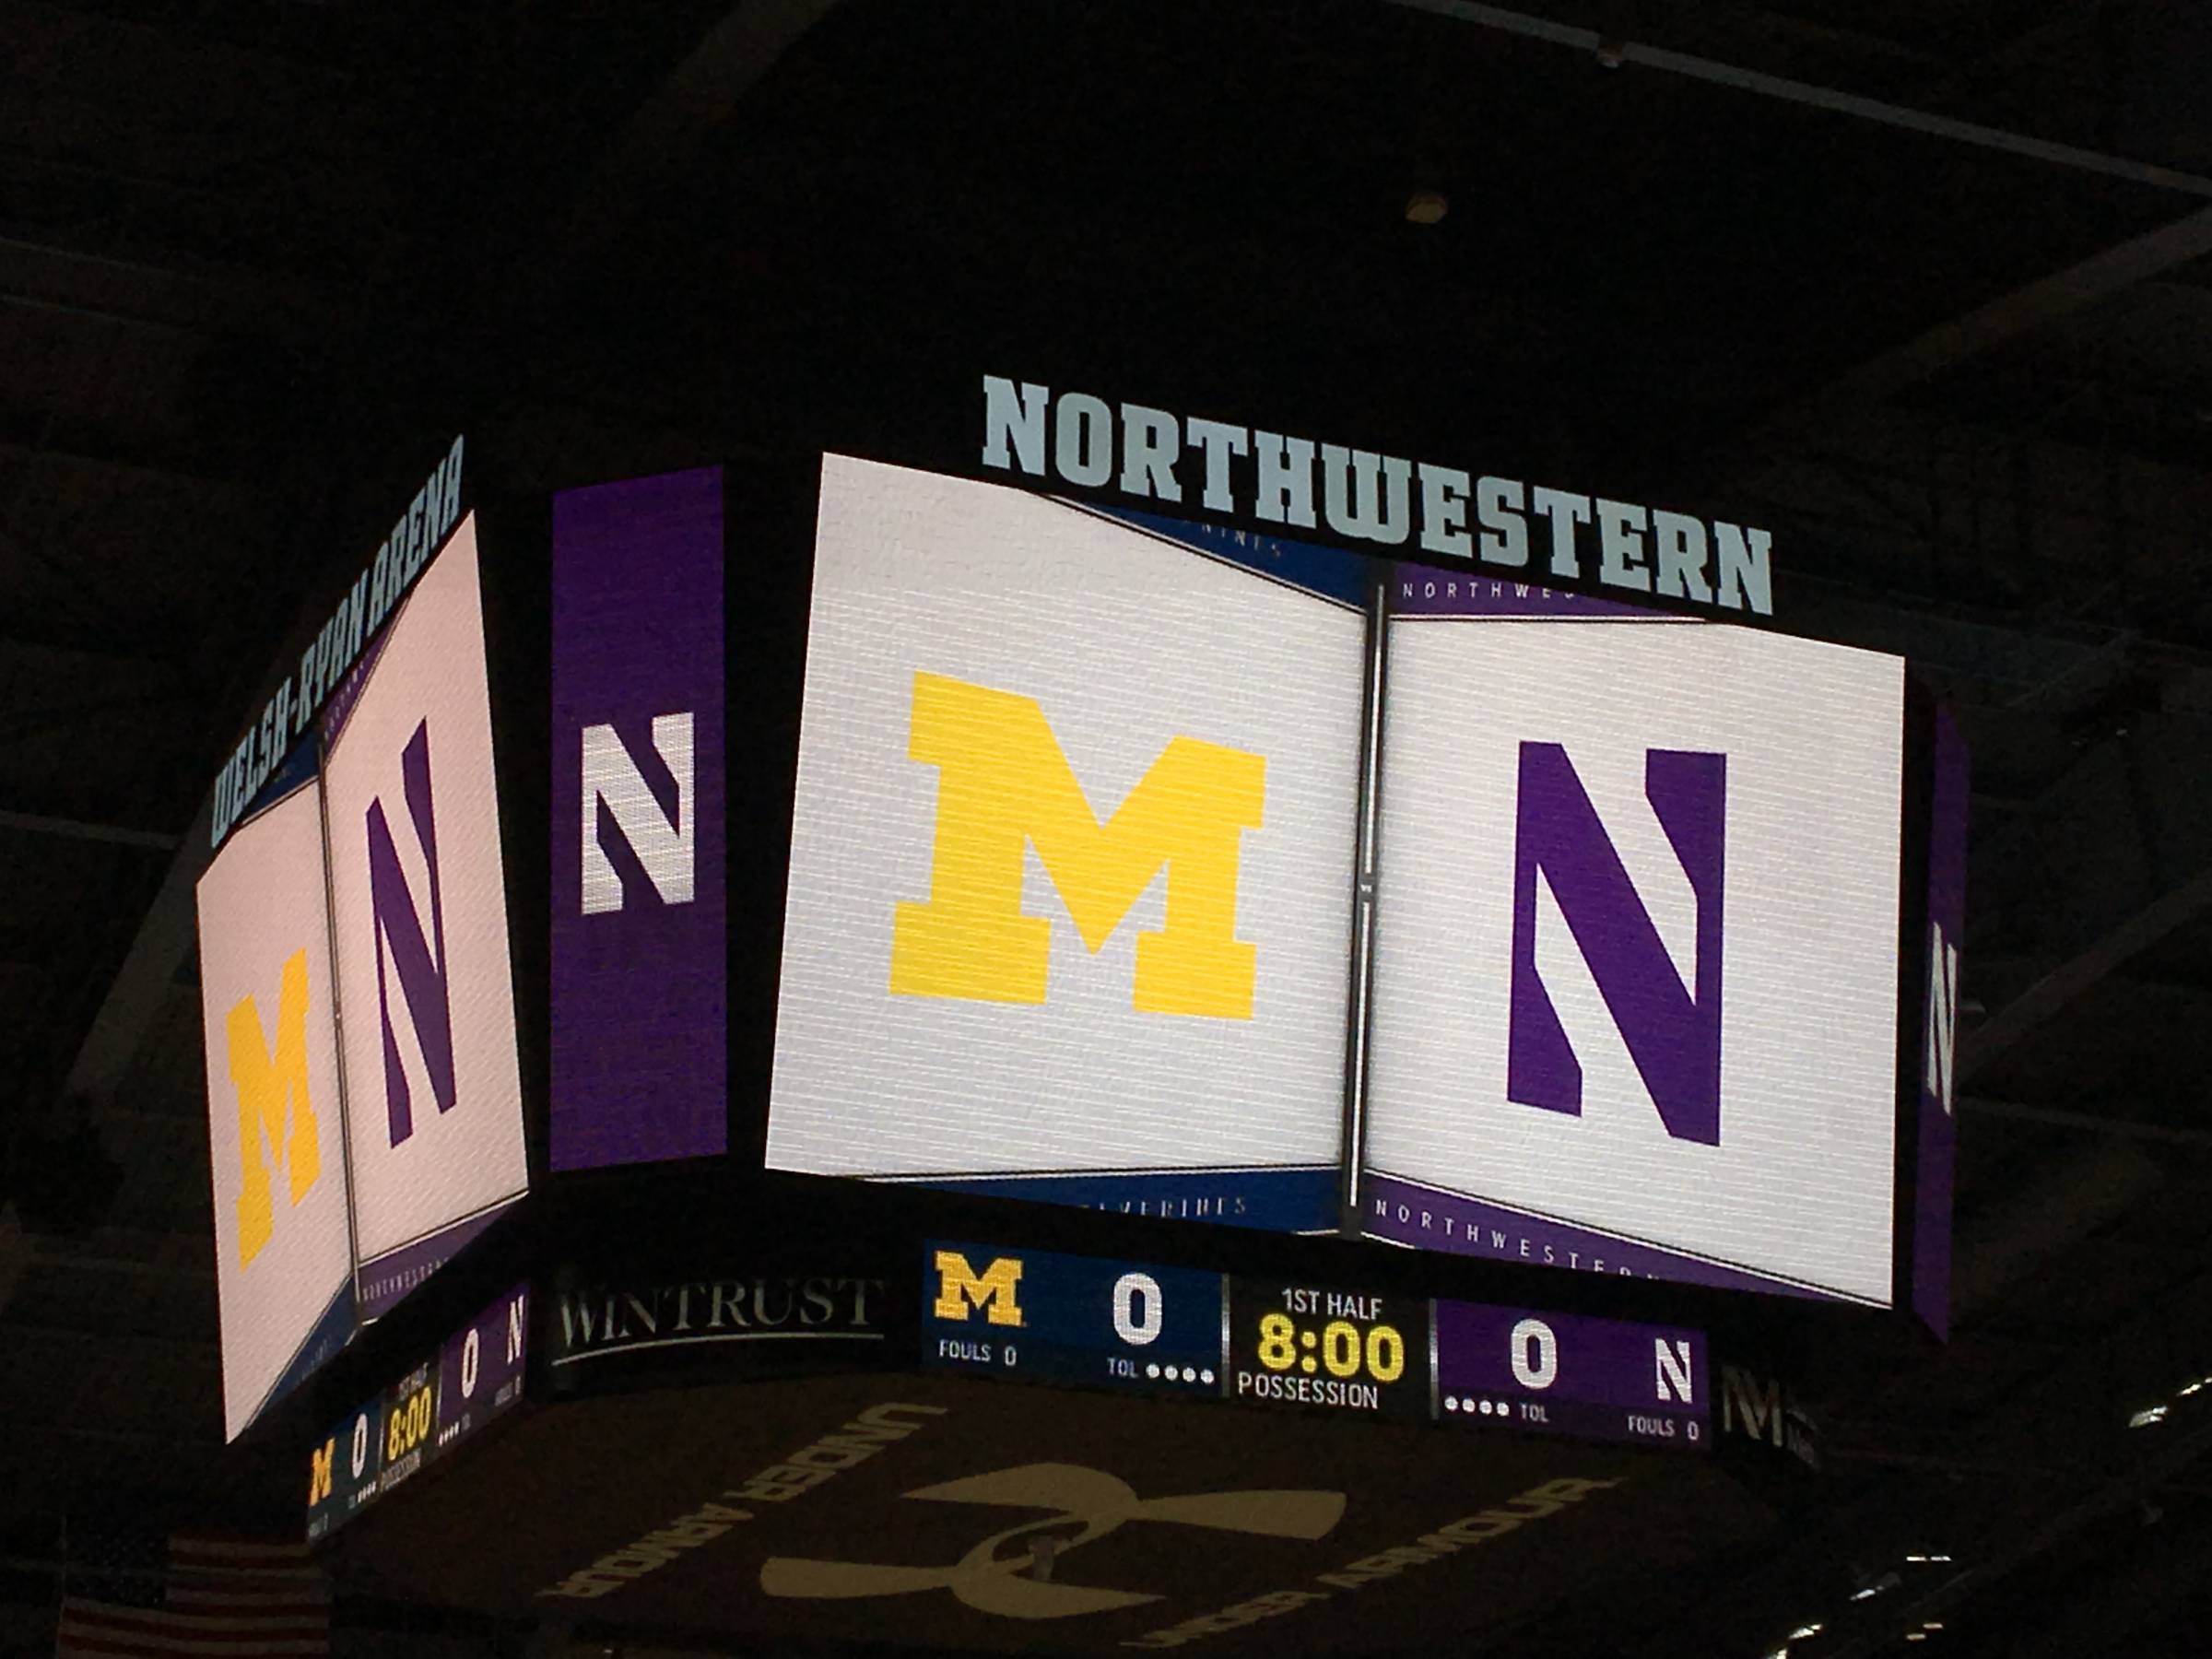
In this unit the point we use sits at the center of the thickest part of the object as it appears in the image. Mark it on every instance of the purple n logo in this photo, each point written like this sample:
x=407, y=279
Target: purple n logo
x=1673, y=1036
x=398, y=923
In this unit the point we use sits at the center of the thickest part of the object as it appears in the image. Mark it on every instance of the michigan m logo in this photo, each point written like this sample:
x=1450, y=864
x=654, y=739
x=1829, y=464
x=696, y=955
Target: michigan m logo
x=995, y=1290
x=271, y=1080
x=1004, y=781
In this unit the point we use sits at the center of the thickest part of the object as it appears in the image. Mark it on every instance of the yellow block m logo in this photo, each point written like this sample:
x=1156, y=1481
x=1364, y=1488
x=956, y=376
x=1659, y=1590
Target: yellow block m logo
x=272, y=1087
x=1003, y=780
x=994, y=1290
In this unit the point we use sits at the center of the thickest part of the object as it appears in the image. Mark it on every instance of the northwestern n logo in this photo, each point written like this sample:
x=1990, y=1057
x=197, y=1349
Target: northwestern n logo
x=418, y=962
x=1673, y=1034
x=1940, y=1065
x=1004, y=781
x=1017, y=1584
x=274, y=1108
x=661, y=835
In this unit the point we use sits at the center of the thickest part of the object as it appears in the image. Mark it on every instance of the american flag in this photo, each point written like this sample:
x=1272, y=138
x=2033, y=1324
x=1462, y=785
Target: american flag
x=212, y=1597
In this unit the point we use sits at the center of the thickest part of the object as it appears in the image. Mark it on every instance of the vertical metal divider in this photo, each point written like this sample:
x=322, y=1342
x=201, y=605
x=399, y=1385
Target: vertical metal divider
x=1354, y=1153
x=337, y=1014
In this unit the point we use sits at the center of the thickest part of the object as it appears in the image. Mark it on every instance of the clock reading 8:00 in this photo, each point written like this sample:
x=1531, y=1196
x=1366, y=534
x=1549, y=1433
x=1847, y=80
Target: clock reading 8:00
x=1345, y=1350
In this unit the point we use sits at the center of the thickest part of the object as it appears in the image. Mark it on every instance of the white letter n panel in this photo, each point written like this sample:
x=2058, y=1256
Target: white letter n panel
x=665, y=852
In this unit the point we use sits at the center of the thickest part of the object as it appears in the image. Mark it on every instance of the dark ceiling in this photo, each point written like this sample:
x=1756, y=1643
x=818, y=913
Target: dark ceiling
x=1925, y=284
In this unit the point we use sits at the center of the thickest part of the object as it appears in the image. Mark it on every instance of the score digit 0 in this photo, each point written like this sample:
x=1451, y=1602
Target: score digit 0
x=1532, y=1350
x=1137, y=1310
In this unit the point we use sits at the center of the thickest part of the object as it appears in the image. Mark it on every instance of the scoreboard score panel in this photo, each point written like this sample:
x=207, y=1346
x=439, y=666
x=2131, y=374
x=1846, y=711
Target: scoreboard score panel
x=476, y=1376
x=1129, y=1327
x=1037, y=1315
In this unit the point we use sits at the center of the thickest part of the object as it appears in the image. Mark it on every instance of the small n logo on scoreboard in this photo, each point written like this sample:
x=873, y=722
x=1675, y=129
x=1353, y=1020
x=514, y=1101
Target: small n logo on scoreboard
x=417, y=960
x=1939, y=1065
x=273, y=1107
x=1004, y=782
x=1671, y=1030
x=994, y=1291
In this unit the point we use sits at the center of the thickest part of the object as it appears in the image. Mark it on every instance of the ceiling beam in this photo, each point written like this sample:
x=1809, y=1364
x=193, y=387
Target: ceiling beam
x=1970, y=133
x=695, y=97
x=38, y=823
x=2057, y=989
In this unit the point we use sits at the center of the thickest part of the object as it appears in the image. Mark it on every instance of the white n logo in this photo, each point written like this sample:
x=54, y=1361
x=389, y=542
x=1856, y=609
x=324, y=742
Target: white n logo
x=1671, y=1366
x=1938, y=1065
x=665, y=850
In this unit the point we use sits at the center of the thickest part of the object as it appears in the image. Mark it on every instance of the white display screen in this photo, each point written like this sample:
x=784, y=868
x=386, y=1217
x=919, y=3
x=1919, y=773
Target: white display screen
x=434, y=1106
x=284, y=1260
x=1072, y=859
x=1635, y=949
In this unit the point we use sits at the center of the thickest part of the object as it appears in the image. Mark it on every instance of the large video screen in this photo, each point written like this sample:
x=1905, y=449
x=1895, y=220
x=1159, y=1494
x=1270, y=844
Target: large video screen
x=1070, y=901
x=353, y=1154
x=283, y=1256
x=1636, y=934
x=433, y=1095
x=1071, y=909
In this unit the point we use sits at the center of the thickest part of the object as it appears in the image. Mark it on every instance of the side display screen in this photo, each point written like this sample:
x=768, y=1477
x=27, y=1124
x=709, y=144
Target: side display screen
x=1939, y=1120
x=639, y=966
x=364, y=1099
x=1071, y=861
x=1635, y=962
x=283, y=1256
x=434, y=1106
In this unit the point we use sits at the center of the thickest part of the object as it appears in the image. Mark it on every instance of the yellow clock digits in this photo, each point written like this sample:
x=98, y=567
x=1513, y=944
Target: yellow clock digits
x=1340, y=1349
x=1278, y=1342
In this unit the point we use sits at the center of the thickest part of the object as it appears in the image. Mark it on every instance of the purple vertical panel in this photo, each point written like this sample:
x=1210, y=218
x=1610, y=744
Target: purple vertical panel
x=639, y=988
x=1939, y=1029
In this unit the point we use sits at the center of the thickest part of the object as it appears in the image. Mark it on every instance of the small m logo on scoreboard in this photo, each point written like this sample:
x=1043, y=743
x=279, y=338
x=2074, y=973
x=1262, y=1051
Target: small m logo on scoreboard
x=665, y=844
x=319, y=1461
x=994, y=1290
x=1004, y=782
x=418, y=961
x=1939, y=1065
x=1753, y=1402
x=1672, y=1031
x=273, y=1107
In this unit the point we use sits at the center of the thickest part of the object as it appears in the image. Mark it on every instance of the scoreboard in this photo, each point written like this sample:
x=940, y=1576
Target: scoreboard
x=1330, y=1350
x=476, y=1376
